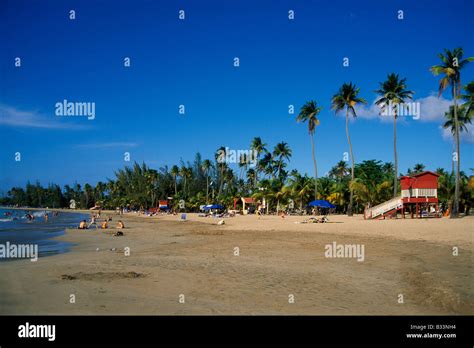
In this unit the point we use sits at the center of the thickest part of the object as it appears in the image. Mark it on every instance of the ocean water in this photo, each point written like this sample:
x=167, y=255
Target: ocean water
x=16, y=229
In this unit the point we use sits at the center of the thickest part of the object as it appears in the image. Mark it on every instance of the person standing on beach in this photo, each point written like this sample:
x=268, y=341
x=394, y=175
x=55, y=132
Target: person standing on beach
x=93, y=222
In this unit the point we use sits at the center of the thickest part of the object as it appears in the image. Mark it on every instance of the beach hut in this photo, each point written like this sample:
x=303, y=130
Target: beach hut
x=419, y=193
x=248, y=203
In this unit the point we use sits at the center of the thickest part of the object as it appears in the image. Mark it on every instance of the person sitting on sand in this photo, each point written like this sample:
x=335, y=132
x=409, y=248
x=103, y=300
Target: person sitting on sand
x=83, y=225
x=120, y=224
x=104, y=225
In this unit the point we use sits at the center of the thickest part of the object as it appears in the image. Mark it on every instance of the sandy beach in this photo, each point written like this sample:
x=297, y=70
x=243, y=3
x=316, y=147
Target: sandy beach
x=278, y=260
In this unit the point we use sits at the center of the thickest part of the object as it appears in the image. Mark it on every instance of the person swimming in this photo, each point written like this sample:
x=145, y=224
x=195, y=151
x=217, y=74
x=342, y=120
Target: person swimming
x=120, y=224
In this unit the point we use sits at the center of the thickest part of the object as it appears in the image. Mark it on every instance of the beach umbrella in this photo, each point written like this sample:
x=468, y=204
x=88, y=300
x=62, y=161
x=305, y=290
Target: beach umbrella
x=321, y=203
x=213, y=206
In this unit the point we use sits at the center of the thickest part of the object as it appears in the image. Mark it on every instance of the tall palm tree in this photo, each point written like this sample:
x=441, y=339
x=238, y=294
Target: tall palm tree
x=258, y=146
x=266, y=164
x=174, y=173
x=220, y=157
x=243, y=164
x=206, y=167
x=347, y=98
x=394, y=91
x=183, y=172
x=281, y=151
x=451, y=64
x=309, y=113
x=152, y=178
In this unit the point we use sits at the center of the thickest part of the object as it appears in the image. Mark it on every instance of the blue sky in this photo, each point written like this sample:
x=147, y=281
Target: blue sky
x=190, y=62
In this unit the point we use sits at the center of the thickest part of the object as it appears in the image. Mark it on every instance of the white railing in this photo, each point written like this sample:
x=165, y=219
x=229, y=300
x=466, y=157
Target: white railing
x=394, y=203
x=422, y=192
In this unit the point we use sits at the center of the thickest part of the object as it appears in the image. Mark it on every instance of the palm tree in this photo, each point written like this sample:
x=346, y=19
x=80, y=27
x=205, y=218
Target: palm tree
x=251, y=173
x=206, y=166
x=174, y=173
x=309, y=113
x=463, y=119
x=339, y=171
x=451, y=65
x=347, y=97
x=394, y=91
x=183, y=172
x=281, y=151
x=266, y=164
x=258, y=146
x=220, y=157
x=417, y=169
x=152, y=178
x=243, y=164
x=469, y=98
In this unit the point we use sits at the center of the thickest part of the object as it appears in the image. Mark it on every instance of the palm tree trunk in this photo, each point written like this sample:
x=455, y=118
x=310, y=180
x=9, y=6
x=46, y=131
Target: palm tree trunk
x=452, y=159
x=395, y=157
x=221, y=180
x=207, y=189
x=315, y=168
x=455, y=211
x=349, y=208
x=175, y=187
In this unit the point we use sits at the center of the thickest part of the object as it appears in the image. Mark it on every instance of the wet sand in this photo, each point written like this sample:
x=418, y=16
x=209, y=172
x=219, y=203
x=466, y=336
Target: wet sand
x=278, y=260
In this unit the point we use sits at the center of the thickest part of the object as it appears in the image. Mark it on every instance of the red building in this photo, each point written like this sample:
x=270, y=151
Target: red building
x=420, y=193
x=419, y=197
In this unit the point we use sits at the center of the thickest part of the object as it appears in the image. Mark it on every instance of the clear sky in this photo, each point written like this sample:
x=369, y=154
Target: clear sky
x=282, y=62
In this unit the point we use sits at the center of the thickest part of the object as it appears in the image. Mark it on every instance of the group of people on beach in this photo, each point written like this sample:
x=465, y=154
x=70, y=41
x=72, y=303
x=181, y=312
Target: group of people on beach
x=94, y=220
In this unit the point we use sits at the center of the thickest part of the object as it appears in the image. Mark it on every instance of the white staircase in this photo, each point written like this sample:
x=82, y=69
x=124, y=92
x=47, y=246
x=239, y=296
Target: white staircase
x=385, y=207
